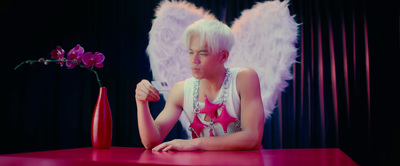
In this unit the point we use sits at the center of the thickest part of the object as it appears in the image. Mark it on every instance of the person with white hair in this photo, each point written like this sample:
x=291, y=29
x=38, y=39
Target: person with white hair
x=224, y=105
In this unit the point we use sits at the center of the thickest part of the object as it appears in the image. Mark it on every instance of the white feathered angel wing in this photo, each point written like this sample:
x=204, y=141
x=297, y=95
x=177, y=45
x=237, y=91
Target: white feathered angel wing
x=168, y=57
x=265, y=38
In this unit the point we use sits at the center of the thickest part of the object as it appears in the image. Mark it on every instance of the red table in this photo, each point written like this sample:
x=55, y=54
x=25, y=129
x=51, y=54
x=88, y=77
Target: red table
x=116, y=156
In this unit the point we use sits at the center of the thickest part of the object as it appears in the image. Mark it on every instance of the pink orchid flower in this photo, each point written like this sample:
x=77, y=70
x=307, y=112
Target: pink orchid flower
x=74, y=55
x=58, y=54
x=95, y=59
x=74, y=58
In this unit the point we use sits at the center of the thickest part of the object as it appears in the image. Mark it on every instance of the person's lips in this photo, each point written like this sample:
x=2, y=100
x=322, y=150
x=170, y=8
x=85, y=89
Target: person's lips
x=195, y=69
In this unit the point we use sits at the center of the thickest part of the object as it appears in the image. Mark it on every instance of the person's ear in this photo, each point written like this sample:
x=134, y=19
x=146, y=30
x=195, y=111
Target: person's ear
x=224, y=56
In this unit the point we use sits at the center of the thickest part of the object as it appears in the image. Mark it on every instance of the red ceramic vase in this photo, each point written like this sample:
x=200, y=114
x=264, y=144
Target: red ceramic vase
x=102, y=122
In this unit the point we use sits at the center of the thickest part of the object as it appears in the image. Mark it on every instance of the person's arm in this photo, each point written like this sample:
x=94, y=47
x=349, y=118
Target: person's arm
x=152, y=132
x=252, y=122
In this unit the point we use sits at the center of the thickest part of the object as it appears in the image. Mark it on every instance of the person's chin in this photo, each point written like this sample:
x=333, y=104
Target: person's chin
x=197, y=75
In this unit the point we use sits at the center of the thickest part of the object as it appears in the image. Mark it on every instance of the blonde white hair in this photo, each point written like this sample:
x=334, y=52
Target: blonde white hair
x=217, y=35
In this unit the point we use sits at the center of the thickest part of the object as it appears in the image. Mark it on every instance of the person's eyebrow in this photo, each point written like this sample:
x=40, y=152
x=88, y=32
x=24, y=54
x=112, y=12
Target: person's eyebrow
x=199, y=50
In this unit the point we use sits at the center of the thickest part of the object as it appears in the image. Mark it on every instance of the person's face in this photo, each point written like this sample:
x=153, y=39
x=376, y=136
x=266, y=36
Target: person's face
x=202, y=62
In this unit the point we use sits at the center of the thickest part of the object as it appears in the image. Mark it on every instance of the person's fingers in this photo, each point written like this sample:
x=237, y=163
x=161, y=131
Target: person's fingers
x=151, y=91
x=168, y=148
x=143, y=91
x=158, y=147
x=152, y=98
x=151, y=88
x=139, y=94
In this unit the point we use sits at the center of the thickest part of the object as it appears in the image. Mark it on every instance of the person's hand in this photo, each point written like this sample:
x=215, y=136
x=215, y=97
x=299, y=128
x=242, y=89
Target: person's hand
x=146, y=92
x=178, y=145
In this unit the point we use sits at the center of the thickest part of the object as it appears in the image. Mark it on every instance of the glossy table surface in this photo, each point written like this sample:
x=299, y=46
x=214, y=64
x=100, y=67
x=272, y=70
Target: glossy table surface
x=130, y=156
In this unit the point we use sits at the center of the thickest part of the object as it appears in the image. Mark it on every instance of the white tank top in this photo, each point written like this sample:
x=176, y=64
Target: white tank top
x=232, y=105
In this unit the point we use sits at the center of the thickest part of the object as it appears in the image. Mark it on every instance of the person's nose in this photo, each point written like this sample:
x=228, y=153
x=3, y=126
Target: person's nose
x=196, y=59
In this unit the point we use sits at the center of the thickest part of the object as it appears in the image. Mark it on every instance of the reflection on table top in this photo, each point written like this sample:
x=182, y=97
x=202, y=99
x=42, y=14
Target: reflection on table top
x=128, y=156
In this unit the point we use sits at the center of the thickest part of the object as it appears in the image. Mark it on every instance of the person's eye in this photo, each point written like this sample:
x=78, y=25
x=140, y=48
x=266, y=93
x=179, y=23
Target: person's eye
x=191, y=53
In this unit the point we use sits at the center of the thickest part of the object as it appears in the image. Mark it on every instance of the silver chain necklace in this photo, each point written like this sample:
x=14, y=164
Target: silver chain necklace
x=196, y=107
x=225, y=86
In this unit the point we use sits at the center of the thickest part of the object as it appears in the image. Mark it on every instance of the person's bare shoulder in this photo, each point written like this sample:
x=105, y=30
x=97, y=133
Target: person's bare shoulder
x=247, y=72
x=247, y=78
x=178, y=87
x=177, y=94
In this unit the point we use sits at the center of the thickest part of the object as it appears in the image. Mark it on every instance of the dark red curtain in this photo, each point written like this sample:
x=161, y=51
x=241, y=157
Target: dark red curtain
x=340, y=96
